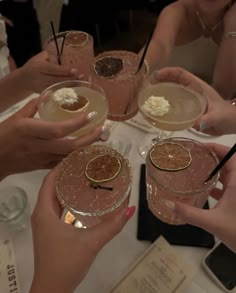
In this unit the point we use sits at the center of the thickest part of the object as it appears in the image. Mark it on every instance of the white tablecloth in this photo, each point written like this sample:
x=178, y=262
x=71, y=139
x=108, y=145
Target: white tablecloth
x=121, y=252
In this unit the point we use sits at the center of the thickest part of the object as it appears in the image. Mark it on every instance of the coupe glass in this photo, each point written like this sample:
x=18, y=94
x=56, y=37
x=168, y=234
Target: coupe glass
x=76, y=48
x=186, y=106
x=49, y=110
x=165, y=187
x=93, y=202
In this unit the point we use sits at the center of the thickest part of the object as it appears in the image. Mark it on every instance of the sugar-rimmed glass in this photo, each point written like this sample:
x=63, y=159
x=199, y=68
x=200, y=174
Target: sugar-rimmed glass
x=122, y=87
x=76, y=51
x=89, y=202
x=164, y=188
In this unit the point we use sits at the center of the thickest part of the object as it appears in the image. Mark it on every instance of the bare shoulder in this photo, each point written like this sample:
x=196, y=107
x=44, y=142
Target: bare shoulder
x=230, y=18
x=174, y=9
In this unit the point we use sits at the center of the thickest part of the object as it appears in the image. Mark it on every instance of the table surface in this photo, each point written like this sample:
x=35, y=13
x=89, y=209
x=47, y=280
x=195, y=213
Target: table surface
x=118, y=255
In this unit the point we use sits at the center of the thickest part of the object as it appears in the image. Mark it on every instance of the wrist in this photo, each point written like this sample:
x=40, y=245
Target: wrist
x=231, y=118
x=40, y=286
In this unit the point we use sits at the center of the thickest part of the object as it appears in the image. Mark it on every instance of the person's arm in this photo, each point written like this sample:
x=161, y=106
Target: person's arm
x=165, y=35
x=224, y=78
x=12, y=89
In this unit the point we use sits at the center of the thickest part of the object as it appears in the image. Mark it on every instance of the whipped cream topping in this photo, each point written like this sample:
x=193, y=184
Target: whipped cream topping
x=156, y=106
x=65, y=96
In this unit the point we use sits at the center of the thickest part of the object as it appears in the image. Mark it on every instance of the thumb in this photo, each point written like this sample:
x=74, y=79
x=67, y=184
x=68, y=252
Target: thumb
x=104, y=232
x=196, y=216
x=206, y=122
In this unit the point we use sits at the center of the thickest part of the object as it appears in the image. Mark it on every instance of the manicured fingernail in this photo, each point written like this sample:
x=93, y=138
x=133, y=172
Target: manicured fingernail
x=74, y=71
x=202, y=126
x=130, y=211
x=92, y=115
x=170, y=205
x=105, y=133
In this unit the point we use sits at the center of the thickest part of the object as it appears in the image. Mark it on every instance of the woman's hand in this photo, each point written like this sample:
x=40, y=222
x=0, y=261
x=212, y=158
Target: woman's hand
x=38, y=73
x=221, y=219
x=63, y=254
x=220, y=116
x=27, y=143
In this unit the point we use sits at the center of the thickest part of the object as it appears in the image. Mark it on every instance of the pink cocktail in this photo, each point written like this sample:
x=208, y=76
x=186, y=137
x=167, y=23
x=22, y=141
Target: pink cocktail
x=116, y=73
x=165, y=187
x=77, y=51
x=94, y=183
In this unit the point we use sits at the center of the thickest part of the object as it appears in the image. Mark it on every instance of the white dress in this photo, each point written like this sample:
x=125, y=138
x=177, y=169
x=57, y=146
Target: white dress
x=4, y=52
x=198, y=57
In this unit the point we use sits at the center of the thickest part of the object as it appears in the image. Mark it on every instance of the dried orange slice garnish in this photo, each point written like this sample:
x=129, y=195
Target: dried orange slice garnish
x=79, y=105
x=170, y=156
x=103, y=168
x=76, y=38
x=108, y=67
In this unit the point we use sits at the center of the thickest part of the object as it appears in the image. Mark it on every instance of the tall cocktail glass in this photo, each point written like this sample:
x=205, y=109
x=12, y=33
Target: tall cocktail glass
x=90, y=98
x=77, y=51
x=94, y=183
x=165, y=187
x=116, y=72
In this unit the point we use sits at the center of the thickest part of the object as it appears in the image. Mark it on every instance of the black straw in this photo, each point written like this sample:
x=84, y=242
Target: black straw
x=221, y=163
x=145, y=51
x=62, y=45
x=55, y=40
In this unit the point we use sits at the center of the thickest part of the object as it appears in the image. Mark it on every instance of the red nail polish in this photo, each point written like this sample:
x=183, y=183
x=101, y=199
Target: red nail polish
x=130, y=212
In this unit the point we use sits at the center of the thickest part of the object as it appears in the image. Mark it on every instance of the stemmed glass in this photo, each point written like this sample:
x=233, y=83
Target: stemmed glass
x=186, y=105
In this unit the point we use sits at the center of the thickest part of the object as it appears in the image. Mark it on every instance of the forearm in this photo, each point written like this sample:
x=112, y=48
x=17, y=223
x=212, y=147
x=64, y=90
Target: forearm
x=157, y=55
x=230, y=119
x=13, y=88
x=224, y=79
x=41, y=287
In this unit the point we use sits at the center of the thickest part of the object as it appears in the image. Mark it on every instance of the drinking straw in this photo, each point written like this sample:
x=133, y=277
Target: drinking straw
x=55, y=40
x=141, y=62
x=222, y=162
x=145, y=51
x=62, y=45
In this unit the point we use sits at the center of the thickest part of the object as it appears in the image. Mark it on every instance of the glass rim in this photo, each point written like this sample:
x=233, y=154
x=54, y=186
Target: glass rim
x=48, y=89
x=214, y=182
x=25, y=203
x=100, y=212
x=64, y=33
x=158, y=119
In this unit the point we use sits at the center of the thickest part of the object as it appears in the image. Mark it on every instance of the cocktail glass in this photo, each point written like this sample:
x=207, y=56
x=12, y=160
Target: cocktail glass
x=165, y=187
x=186, y=105
x=76, y=48
x=116, y=72
x=92, y=202
x=88, y=93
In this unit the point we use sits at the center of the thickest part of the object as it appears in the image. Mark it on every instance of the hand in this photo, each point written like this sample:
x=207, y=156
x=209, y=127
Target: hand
x=63, y=254
x=38, y=73
x=220, y=117
x=221, y=219
x=27, y=143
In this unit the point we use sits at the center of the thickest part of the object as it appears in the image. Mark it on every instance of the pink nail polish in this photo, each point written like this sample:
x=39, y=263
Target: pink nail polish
x=130, y=211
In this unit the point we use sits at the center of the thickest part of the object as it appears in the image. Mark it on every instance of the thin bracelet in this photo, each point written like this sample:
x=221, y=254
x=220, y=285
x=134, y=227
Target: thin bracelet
x=230, y=35
x=147, y=67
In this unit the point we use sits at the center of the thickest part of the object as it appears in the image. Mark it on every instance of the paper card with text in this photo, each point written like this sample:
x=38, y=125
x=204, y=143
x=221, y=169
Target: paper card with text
x=159, y=270
x=9, y=281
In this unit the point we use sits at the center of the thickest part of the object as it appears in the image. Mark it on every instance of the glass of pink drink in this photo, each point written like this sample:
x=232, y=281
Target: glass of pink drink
x=92, y=202
x=77, y=51
x=116, y=73
x=165, y=187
